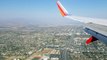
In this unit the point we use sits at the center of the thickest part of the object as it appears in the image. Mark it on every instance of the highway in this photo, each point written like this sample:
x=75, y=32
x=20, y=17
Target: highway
x=65, y=55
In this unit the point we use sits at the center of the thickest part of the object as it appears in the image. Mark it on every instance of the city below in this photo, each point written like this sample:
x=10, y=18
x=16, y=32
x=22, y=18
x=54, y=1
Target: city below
x=48, y=43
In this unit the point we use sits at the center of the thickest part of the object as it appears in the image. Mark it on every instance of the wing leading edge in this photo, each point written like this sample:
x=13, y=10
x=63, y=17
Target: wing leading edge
x=96, y=33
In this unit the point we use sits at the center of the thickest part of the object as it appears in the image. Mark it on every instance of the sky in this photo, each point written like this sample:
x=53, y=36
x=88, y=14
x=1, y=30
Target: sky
x=47, y=11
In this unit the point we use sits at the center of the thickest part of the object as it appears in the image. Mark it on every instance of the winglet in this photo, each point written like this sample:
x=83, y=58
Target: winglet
x=62, y=10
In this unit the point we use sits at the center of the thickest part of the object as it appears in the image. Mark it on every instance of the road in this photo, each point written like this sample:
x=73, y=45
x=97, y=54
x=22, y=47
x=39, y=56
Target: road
x=65, y=55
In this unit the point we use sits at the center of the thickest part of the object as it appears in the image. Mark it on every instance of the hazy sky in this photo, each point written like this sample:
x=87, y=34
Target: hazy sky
x=47, y=9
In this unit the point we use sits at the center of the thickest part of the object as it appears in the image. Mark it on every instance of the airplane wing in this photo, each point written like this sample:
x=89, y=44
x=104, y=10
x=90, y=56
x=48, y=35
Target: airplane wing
x=95, y=27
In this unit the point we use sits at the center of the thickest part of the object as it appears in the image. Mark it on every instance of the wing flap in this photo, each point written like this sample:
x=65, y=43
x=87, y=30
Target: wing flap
x=97, y=35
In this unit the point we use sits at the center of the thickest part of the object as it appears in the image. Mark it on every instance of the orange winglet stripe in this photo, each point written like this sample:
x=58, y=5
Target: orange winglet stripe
x=61, y=10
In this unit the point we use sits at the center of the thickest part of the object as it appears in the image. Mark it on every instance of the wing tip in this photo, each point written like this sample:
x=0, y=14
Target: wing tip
x=62, y=10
